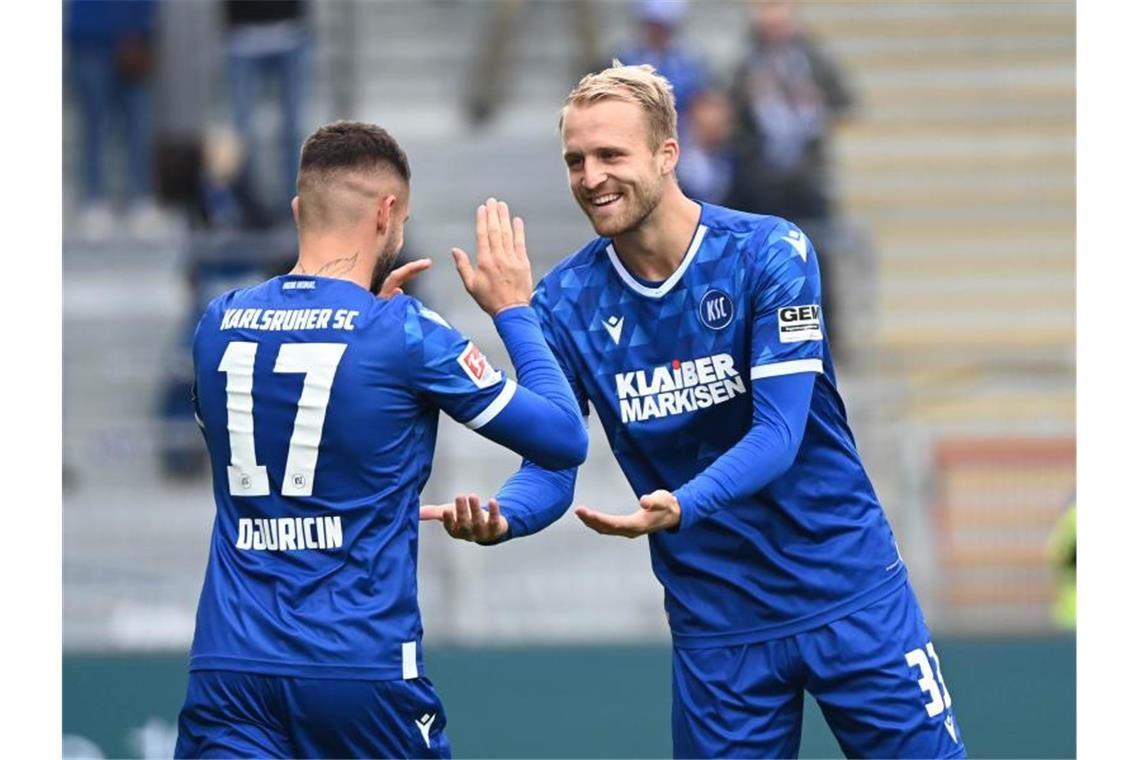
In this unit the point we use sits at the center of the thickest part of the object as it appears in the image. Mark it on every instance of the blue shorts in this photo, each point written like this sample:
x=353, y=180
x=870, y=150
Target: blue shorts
x=231, y=714
x=874, y=673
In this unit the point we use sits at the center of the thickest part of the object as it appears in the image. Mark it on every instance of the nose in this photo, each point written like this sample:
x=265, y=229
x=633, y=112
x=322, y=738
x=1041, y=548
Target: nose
x=592, y=175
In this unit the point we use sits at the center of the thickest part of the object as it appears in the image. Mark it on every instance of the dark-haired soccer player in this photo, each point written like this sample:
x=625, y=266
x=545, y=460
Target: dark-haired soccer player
x=319, y=403
x=696, y=333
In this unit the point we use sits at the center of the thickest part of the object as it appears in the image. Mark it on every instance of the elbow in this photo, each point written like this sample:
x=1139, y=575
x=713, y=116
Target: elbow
x=581, y=444
x=571, y=448
x=788, y=453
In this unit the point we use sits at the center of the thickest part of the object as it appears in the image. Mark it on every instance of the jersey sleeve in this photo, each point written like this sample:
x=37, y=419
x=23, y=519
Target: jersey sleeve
x=787, y=319
x=450, y=370
x=541, y=307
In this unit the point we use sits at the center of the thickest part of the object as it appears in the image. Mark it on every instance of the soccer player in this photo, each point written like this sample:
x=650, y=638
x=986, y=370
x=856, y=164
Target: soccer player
x=319, y=404
x=696, y=333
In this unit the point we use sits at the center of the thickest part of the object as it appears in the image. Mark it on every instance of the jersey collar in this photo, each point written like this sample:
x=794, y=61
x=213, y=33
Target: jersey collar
x=663, y=288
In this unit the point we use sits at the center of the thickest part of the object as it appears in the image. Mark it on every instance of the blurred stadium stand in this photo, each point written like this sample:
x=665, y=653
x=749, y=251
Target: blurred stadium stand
x=957, y=175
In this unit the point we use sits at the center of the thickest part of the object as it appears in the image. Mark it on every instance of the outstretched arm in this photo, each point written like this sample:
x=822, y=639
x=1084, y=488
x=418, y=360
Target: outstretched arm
x=779, y=415
x=530, y=500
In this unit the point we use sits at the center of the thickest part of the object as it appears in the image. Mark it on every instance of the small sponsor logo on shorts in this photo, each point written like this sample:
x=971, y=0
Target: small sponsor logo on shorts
x=424, y=724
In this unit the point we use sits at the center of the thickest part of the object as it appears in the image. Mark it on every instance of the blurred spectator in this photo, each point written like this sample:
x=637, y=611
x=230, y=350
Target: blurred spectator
x=660, y=46
x=788, y=95
x=189, y=69
x=110, y=49
x=225, y=199
x=501, y=29
x=709, y=169
x=268, y=40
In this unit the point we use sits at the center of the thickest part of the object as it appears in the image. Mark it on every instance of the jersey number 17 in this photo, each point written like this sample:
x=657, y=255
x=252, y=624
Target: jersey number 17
x=318, y=362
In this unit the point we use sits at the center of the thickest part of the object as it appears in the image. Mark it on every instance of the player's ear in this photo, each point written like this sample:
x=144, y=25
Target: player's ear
x=384, y=213
x=296, y=206
x=669, y=154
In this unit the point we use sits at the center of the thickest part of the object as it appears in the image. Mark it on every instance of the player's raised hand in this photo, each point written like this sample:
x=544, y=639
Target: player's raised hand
x=659, y=510
x=501, y=277
x=394, y=282
x=467, y=520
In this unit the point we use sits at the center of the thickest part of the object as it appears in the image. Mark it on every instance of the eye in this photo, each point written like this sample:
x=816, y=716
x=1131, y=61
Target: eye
x=573, y=161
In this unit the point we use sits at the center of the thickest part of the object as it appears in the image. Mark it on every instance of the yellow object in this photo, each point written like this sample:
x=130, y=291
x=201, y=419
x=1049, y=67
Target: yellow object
x=1063, y=550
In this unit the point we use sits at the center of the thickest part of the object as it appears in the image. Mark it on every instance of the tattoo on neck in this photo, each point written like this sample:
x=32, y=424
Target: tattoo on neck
x=339, y=266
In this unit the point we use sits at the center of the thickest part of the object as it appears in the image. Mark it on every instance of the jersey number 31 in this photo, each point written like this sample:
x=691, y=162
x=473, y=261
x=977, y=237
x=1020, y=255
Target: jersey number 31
x=318, y=362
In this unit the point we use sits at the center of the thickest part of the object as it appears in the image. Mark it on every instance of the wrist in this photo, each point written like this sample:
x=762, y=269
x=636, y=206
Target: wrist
x=519, y=312
x=503, y=309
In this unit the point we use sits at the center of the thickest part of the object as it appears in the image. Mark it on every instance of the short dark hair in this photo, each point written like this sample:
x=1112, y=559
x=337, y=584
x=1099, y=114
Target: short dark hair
x=353, y=145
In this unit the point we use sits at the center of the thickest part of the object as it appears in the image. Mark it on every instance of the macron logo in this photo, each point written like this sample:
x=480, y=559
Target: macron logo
x=949, y=723
x=796, y=238
x=613, y=327
x=424, y=724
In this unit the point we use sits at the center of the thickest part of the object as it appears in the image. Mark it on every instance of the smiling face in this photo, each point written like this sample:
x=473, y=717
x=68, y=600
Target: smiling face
x=615, y=174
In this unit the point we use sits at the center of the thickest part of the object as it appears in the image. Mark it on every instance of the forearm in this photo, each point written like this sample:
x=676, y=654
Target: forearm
x=767, y=450
x=534, y=498
x=539, y=417
x=534, y=363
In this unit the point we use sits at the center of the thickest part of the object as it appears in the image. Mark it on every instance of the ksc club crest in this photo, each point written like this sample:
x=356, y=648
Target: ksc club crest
x=715, y=310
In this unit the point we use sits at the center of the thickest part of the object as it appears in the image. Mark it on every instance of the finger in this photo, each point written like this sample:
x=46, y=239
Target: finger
x=520, y=238
x=463, y=266
x=610, y=525
x=432, y=511
x=482, y=239
x=494, y=230
x=462, y=517
x=475, y=515
x=449, y=521
x=401, y=275
x=505, y=228
x=494, y=516
x=648, y=502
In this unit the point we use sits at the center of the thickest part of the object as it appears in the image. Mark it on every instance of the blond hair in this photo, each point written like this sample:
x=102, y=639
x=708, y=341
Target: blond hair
x=640, y=85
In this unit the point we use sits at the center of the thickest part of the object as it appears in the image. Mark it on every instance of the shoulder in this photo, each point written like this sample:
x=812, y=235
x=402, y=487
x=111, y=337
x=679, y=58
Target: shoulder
x=760, y=237
x=233, y=299
x=571, y=274
x=742, y=224
x=412, y=310
x=423, y=328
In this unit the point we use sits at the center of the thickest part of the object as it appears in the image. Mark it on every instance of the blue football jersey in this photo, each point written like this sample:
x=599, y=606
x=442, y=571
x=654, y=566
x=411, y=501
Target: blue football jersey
x=319, y=403
x=669, y=367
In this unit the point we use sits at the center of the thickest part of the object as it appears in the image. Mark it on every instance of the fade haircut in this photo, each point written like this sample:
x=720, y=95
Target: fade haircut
x=640, y=85
x=343, y=166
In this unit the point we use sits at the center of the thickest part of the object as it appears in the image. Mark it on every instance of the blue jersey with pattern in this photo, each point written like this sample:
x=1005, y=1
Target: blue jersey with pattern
x=319, y=404
x=669, y=367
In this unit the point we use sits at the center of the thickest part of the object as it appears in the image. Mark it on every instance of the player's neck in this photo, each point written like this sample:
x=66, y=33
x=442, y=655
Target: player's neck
x=337, y=257
x=657, y=247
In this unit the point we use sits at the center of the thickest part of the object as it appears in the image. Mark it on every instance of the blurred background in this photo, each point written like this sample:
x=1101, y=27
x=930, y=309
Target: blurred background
x=927, y=147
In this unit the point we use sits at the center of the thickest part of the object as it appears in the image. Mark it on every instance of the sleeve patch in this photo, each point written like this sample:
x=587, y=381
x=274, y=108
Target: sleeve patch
x=799, y=323
x=476, y=366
